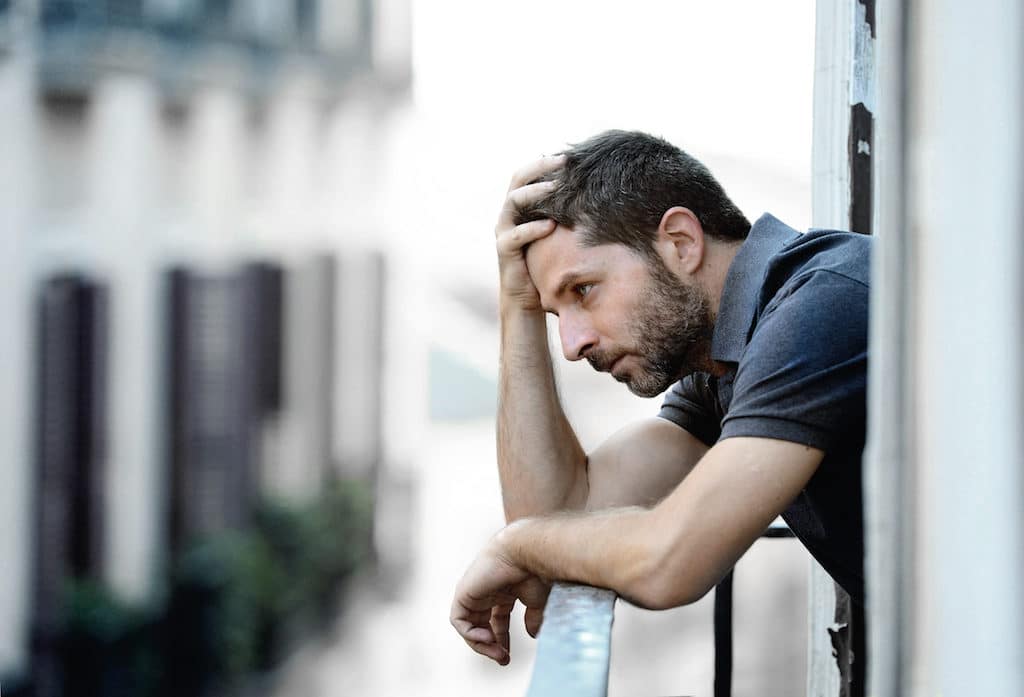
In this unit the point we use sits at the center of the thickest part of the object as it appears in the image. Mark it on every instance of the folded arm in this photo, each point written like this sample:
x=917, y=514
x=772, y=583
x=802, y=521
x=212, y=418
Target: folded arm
x=660, y=557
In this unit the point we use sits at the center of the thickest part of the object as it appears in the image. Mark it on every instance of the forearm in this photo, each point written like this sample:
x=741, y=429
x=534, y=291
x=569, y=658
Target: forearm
x=540, y=461
x=674, y=553
x=609, y=549
x=669, y=555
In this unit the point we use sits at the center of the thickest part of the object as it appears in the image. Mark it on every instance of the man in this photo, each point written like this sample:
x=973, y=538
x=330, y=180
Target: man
x=658, y=279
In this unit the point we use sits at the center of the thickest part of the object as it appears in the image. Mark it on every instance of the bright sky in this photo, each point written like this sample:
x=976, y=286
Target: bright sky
x=498, y=83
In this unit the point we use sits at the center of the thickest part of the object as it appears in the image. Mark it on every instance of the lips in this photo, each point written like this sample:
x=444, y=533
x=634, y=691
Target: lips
x=602, y=364
x=615, y=363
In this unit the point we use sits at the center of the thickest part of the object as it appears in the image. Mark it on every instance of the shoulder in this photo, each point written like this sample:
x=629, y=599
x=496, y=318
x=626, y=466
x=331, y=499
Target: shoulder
x=803, y=374
x=820, y=273
x=843, y=253
x=820, y=310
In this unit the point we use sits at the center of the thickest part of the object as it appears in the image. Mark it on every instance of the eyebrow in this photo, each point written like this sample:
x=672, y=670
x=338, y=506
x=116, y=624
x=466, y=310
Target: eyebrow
x=570, y=278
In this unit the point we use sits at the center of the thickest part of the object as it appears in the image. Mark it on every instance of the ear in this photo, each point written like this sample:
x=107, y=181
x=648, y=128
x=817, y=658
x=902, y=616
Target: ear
x=681, y=240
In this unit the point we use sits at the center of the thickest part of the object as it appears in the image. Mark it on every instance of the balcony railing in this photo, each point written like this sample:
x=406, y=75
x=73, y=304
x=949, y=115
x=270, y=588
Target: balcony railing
x=575, y=642
x=574, y=646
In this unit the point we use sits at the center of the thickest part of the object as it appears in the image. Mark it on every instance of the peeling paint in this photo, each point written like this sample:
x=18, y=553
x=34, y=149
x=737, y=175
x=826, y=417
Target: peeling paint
x=862, y=81
x=863, y=147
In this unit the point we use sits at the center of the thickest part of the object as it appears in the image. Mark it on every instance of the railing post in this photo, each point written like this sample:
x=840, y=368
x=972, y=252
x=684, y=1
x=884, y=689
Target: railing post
x=723, y=637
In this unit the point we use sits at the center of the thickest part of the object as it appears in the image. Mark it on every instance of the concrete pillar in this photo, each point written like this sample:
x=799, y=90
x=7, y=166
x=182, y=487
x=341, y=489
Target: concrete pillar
x=214, y=174
x=965, y=156
x=121, y=182
x=945, y=490
x=18, y=177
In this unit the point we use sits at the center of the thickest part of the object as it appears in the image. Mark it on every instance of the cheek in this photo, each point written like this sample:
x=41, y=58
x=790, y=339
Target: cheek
x=616, y=317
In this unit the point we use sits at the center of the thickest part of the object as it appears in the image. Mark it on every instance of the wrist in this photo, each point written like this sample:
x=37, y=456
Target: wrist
x=511, y=308
x=507, y=543
x=523, y=327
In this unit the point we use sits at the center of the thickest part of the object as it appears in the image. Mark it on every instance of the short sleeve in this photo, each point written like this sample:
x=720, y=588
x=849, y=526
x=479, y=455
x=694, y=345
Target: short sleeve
x=692, y=404
x=803, y=375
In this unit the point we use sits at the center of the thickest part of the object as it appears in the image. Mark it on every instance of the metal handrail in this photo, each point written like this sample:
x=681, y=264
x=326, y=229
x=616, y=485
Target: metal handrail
x=574, y=646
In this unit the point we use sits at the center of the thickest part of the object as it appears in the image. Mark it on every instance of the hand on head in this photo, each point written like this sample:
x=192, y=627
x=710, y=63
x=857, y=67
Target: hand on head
x=511, y=239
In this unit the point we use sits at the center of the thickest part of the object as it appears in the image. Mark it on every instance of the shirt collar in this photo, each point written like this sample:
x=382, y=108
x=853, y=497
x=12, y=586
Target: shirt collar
x=743, y=285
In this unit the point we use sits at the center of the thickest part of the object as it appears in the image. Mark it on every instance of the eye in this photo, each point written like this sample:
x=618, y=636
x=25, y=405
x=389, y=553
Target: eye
x=583, y=289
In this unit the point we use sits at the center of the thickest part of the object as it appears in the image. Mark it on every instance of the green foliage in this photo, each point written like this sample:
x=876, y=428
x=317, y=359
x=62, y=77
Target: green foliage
x=318, y=546
x=233, y=598
x=92, y=609
x=108, y=646
x=223, y=593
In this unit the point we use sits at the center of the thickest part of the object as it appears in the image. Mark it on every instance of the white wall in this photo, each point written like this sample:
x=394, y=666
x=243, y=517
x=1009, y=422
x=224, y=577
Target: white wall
x=966, y=176
x=947, y=554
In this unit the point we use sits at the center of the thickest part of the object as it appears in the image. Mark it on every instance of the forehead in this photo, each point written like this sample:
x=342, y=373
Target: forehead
x=559, y=256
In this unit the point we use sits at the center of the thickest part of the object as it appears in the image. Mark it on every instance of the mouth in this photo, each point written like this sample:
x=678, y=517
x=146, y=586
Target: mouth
x=599, y=363
x=614, y=365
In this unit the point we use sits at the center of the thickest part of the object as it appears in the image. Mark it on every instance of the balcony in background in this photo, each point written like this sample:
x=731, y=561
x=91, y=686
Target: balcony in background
x=185, y=44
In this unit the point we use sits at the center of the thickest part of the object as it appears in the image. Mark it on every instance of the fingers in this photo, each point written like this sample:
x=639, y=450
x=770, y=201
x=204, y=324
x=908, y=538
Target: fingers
x=533, y=618
x=482, y=596
x=521, y=198
x=468, y=619
x=533, y=592
x=483, y=640
x=472, y=631
x=500, y=620
x=493, y=651
x=529, y=193
x=535, y=169
x=512, y=241
x=482, y=627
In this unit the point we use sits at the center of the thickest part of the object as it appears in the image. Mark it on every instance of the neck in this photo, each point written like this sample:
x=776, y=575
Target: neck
x=717, y=260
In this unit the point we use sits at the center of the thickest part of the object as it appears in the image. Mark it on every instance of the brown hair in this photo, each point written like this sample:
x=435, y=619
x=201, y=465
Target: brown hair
x=617, y=186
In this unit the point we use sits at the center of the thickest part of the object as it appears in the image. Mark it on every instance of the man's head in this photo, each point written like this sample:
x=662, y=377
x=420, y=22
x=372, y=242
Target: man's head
x=616, y=186
x=635, y=263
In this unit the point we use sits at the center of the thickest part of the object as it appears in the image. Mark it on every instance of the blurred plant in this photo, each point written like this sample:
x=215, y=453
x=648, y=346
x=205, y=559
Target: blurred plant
x=240, y=597
x=236, y=601
x=317, y=547
x=222, y=594
x=108, y=646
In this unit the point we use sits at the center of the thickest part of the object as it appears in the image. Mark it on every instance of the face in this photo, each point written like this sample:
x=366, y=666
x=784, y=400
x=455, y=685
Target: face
x=627, y=315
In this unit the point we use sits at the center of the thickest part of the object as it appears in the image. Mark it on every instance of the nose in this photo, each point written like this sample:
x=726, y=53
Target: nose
x=577, y=336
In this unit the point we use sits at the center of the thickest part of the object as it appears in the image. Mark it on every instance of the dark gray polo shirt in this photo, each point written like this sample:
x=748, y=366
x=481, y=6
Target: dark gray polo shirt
x=792, y=326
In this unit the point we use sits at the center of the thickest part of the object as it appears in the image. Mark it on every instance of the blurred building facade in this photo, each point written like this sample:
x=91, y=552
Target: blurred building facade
x=193, y=306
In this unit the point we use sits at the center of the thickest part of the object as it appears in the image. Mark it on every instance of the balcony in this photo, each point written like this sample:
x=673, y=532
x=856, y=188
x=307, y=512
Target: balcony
x=186, y=43
x=574, y=645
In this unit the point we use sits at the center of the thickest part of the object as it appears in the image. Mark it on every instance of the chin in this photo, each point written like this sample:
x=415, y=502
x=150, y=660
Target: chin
x=645, y=394
x=645, y=390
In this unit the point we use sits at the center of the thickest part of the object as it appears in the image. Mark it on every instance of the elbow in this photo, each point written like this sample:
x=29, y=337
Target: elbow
x=577, y=493
x=661, y=593
x=670, y=576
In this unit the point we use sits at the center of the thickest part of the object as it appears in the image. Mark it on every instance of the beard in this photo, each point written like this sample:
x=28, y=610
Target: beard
x=671, y=331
